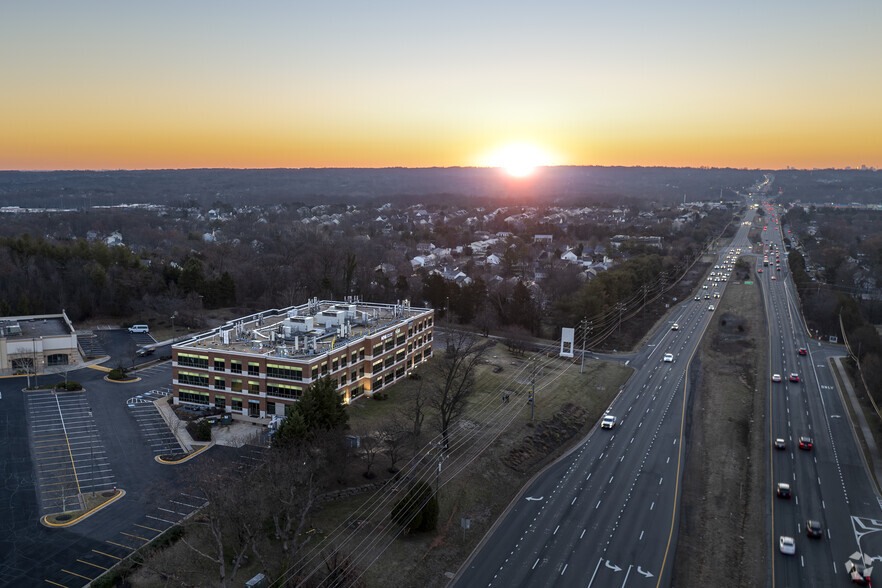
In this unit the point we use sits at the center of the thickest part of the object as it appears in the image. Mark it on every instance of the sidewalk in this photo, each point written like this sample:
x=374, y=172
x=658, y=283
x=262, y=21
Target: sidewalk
x=234, y=435
x=872, y=449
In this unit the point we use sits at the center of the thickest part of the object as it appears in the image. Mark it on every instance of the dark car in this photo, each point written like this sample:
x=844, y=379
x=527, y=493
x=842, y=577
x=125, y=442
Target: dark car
x=783, y=490
x=145, y=351
x=802, y=351
x=805, y=442
x=813, y=528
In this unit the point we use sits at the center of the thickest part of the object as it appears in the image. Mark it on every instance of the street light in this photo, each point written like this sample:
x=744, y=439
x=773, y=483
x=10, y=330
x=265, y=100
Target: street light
x=91, y=457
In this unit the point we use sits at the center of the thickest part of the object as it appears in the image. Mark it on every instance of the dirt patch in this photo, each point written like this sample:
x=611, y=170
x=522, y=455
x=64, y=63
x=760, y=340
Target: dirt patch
x=724, y=477
x=549, y=435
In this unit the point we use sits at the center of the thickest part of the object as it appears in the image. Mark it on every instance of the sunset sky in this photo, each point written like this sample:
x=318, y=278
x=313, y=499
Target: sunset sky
x=181, y=84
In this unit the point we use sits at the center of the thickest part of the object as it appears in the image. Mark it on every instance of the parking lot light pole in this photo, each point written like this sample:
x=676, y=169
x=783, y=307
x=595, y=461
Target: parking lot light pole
x=91, y=457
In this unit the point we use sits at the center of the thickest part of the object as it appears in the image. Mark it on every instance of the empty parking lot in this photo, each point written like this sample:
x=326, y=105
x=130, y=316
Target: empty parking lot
x=151, y=424
x=69, y=457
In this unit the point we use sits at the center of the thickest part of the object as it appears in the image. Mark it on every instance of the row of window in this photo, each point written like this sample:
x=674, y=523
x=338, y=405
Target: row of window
x=295, y=373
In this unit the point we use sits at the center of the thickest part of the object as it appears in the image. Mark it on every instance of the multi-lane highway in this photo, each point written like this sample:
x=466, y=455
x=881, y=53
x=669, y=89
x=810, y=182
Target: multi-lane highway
x=829, y=482
x=607, y=514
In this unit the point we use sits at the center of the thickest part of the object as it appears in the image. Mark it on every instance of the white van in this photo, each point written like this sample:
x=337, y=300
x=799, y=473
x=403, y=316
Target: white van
x=139, y=329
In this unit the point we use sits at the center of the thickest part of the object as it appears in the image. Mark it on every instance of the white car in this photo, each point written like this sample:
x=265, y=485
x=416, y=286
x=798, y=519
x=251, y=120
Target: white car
x=711, y=308
x=675, y=327
x=608, y=422
x=787, y=545
x=669, y=357
x=776, y=378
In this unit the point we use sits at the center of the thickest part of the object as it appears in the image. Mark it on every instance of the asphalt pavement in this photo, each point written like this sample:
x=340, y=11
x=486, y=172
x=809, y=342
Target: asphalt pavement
x=607, y=513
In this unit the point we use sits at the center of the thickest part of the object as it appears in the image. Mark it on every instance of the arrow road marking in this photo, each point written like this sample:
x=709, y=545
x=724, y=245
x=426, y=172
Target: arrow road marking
x=531, y=498
x=613, y=567
x=645, y=574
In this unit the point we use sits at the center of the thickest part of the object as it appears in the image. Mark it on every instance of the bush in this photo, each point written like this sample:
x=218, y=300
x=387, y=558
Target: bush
x=418, y=510
x=117, y=374
x=199, y=430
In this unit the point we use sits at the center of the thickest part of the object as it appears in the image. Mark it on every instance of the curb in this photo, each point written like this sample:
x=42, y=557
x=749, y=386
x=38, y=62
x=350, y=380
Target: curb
x=43, y=520
x=190, y=456
x=107, y=379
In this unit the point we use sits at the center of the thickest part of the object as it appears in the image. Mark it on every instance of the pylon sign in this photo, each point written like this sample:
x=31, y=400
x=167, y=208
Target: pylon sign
x=567, y=340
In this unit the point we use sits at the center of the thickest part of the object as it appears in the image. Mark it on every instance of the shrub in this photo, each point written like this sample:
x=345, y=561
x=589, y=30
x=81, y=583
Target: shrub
x=117, y=374
x=418, y=510
x=199, y=430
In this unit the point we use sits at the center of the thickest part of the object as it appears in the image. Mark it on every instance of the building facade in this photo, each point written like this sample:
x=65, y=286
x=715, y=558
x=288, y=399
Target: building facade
x=256, y=365
x=29, y=344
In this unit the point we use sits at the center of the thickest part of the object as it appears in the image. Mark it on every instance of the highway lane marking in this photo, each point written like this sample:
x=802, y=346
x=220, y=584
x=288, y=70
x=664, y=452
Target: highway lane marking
x=598, y=505
x=641, y=536
x=651, y=506
x=564, y=569
x=574, y=501
x=583, y=534
x=534, y=565
x=555, y=530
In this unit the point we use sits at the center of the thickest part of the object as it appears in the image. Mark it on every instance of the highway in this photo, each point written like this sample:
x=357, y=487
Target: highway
x=829, y=483
x=607, y=513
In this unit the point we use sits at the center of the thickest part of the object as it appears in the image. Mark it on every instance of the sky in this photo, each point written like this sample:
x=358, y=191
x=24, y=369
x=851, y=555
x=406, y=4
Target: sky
x=266, y=84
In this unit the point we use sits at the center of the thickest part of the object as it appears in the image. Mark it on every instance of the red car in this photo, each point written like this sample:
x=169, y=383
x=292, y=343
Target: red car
x=794, y=377
x=802, y=351
x=805, y=443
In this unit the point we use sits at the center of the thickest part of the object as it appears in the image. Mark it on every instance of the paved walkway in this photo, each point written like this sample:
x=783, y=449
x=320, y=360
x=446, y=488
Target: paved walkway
x=872, y=449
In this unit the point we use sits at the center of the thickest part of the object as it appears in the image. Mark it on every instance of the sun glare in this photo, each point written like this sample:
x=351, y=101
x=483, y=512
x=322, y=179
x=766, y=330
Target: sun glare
x=519, y=159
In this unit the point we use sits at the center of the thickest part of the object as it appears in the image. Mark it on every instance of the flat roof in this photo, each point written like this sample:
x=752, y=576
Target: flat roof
x=264, y=333
x=35, y=328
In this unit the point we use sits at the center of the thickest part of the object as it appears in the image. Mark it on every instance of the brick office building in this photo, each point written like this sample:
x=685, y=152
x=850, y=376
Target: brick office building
x=255, y=365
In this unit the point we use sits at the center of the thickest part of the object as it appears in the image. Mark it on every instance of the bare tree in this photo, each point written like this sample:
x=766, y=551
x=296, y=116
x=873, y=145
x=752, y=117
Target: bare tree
x=413, y=410
x=394, y=433
x=371, y=445
x=451, y=378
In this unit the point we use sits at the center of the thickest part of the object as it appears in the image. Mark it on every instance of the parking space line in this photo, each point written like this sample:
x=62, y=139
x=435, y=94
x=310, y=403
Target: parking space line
x=159, y=519
x=107, y=554
x=148, y=528
x=71, y=457
x=94, y=565
x=120, y=545
x=144, y=539
x=56, y=583
x=77, y=575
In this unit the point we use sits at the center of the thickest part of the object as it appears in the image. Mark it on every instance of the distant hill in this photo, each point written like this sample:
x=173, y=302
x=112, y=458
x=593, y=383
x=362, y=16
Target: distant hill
x=566, y=184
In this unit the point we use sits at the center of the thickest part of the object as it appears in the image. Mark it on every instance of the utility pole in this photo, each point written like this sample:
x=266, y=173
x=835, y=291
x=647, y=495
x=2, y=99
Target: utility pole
x=532, y=392
x=586, y=329
x=621, y=307
x=91, y=457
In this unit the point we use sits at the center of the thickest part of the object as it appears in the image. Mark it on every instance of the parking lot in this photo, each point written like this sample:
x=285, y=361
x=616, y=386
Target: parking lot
x=68, y=454
x=152, y=426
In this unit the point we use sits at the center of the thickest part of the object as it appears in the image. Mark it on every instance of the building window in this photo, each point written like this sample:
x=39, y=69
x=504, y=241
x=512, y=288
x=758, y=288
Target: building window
x=354, y=375
x=56, y=359
x=219, y=365
x=334, y=365
x=354, y=356
x=360, y=353
x=236, y=404
x=220, y=402
x=236, y=385
x=283, y=391
x=427, y=353
x=236, y=366
x=389, y=361
x=388, y=379
x=192, y=379
x=400, y=340
x=399, y=356
x=378, y=366
x=324, y=368
x=410, y=347
x=399, y=372
x=253, y=369
x=253, y=408
x=343, y=362
x=283, y=372
x=378, y=349
x=253, y=387
x=315, y=373
x=390, y=343
x=270, y=408
x=377, y=384
x=220, y=384
x=361, y=371
x=343, y=379
x=192, y=360
x=193, y=397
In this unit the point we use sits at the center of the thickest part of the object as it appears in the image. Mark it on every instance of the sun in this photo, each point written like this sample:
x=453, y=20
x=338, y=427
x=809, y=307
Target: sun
x=519, y=159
